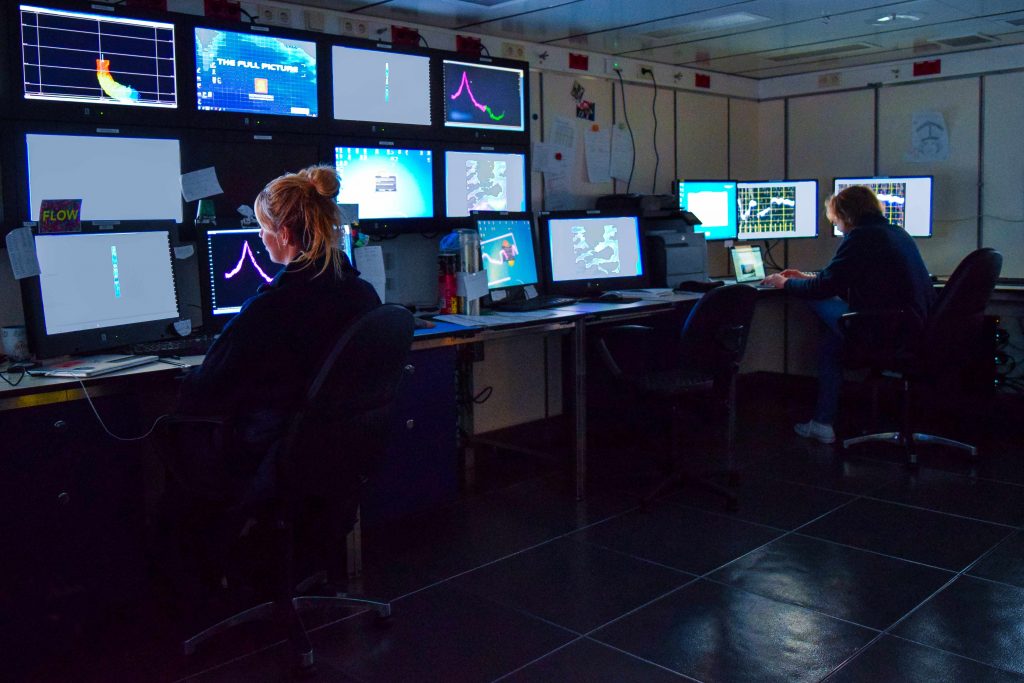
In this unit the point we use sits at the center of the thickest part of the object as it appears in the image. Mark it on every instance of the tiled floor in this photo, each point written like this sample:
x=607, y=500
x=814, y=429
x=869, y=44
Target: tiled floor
x=840, y=568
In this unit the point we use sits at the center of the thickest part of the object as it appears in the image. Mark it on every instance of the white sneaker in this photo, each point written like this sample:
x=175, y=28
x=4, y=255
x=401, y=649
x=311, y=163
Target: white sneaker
x=816, y=430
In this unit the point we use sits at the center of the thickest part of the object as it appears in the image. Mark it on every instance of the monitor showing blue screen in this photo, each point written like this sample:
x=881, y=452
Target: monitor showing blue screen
x=777, y=209
x=484, y=181
x=386, y=182
x=906, y=200
x=255, y=74
x=483, y=96
x=594, y=248
x=379, y=86
x=714, y=203
x=81, y=57
x=238, y=263
x=506, y=246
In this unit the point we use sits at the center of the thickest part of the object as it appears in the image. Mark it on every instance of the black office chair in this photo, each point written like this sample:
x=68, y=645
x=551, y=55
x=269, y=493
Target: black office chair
x=895, y=344
x=346, y=414
x=701, y=363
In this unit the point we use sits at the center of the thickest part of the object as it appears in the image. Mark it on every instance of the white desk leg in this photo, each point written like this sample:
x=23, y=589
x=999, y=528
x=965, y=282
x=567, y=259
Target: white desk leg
x=580, y=407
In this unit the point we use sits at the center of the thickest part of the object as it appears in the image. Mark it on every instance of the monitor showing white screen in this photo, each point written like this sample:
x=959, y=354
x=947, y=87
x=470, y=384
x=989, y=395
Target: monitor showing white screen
x=116, y=178
x=484, y=181
x=906, y=201
x=506, y=246
x=374, y=85
x=386, y=182
x=777, y=209
x=594, y=248
x=255, y=74
x=714, y=203
x=483, y=96
x=81, y=57
x=94, y=281
x=238, y=263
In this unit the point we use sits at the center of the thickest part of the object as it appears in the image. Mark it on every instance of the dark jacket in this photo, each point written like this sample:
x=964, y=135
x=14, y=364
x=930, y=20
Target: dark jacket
x=876, y=267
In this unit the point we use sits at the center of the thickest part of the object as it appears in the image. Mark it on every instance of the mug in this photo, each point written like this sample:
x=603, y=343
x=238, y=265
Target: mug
x=15, y=342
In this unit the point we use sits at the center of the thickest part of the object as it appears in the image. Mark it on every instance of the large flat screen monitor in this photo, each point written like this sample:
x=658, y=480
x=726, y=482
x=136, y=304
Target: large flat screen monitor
x=483, y=96
x=714, y=203
x=380, y=86
x=777, y=209
x=117, y=178
x=237, y=264
x=386, y=182
x=484, y=181
x=506, y=246
x=100, y=290
x=590, y=252
x=906, y=200
x=90, y=58
x=255, y=74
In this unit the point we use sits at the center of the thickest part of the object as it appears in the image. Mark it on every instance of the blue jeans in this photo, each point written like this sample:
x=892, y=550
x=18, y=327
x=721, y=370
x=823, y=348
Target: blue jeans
x=830, y=358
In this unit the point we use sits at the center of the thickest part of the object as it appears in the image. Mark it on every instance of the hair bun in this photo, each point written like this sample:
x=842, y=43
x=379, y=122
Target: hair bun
x=324, y=180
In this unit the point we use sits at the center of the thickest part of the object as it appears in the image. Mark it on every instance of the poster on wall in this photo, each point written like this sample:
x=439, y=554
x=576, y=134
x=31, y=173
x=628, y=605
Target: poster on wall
x=929, y=138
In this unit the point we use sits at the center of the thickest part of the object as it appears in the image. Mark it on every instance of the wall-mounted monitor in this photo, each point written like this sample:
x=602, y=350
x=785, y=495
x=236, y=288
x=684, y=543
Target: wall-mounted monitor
x=380, y=86
x=100, y=290
x=484, y=181
x=906, y=200
x=117, y=178
x=97, y=59
x=250, y=73
x=586, y=252
x=777, y=209
x=386, y=182
x=506, y=249
x=484, y=96
x=714, y=203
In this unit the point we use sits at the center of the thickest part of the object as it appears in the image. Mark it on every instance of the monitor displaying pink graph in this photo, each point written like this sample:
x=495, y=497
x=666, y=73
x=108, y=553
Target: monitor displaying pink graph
x=238, y=264
x=483, y=96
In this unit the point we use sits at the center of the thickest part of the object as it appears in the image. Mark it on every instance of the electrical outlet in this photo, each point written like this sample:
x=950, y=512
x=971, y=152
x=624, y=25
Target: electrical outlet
x=314, y=20
x=513, y=51
x=265, y=14
x=644, y=71
x=352, y=27
x=284, y=16
x=612, y=66
x=274, y=16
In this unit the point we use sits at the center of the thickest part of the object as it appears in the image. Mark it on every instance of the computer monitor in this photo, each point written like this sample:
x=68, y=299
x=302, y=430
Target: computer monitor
x=714, y=203
x=386, y=181
x=748, y=263
x=237, y=264
x=906, y=200
x=70, y=56
x=590, y=252
x=117, y=178
x=253, y=73
x=380, y=86
x=484, y=181
x=777, y=209
x=99, y=290
x=483, y=96
x=506, y=247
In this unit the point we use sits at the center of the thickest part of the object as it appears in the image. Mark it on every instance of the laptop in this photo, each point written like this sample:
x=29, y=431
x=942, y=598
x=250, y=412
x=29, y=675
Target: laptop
x=90, y=366
x=749, y=266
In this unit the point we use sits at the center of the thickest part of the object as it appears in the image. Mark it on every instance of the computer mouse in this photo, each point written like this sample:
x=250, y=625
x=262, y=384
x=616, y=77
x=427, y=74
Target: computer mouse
x=610, y=296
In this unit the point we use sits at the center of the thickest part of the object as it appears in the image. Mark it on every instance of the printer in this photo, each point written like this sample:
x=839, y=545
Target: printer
x=674, y=253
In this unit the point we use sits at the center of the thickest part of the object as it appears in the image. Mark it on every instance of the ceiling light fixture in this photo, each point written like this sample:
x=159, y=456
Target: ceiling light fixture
x=893, y=18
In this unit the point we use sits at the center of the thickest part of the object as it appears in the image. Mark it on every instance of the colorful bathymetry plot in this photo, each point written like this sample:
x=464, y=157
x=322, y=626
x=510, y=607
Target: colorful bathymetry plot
x=766, y=210
x=81, y=57
x=255, y=74
x=483, y=96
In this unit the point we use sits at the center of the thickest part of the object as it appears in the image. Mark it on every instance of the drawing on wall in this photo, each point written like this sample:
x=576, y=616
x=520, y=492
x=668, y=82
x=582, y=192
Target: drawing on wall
x=929, y=137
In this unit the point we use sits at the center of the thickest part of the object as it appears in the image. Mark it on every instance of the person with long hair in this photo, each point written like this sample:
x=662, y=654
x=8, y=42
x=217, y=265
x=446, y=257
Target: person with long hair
x=876, y=267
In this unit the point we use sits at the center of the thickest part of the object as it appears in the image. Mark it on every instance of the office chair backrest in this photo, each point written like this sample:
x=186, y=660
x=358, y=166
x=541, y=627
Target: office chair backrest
x=714, y=336
x=340, y=433
x=954, y=326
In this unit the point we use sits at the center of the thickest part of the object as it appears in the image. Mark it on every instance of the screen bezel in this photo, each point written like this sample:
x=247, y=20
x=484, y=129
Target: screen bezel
x=882, y=178
x=50, y=345
x=87, y=112
x=597, y=285
x=477, y=216
x=735, y=208
x=395, y=226
x=442, y=188
x=817, y=214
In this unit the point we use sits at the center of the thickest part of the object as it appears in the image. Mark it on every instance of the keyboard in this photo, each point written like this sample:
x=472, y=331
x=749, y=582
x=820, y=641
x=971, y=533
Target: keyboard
x=196, y=345
x=535, y=304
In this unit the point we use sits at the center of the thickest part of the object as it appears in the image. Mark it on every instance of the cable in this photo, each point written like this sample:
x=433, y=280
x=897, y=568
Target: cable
x=483, y=395
x=424, y=41
x=15, y=382
x=484, y=48
x=625, y=115
x=769, y=258
x=252, y=19
x=85, y=392
x=654, y=113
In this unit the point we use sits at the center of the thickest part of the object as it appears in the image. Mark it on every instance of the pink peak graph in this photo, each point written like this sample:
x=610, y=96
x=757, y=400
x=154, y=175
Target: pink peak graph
x=246, y=251
x=464, y=85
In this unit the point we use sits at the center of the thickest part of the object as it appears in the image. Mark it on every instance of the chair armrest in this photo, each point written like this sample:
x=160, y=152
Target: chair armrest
x=877, y=338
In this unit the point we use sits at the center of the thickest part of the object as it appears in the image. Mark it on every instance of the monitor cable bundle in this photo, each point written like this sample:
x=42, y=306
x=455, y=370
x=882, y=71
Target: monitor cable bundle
x=768, y=258
x=654, y=114
x=632, y=142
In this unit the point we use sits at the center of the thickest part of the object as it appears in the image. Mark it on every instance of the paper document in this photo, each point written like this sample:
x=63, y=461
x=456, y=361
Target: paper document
x=200, y=184
x=371, y=268
x=21, y=248
x=597, y=145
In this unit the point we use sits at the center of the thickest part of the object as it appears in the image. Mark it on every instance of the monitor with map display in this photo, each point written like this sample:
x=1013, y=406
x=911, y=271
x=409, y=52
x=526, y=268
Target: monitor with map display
x=484, y=181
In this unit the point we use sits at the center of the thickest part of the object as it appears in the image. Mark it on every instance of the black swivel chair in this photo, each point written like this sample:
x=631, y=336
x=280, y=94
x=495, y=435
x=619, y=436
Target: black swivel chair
x=345, y=414
x=701, y=363
x=893, y=345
